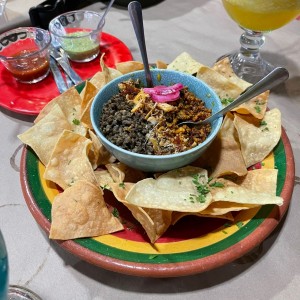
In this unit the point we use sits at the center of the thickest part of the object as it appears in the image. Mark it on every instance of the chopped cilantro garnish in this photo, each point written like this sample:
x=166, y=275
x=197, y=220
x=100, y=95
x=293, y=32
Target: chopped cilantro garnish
x=217, y=184
x=76, y=122
x=105, y=187
x=257, y=102
x=257, y=108
x=152, y=256
x=226, y=101
x=225, y=232
x=239, y=224
x=263, y=123
x=202, y=189
x=115, y=213
x=122, y=185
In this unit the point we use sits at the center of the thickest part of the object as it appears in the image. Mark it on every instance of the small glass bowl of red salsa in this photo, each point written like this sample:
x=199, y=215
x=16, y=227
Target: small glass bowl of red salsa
x=24, y=53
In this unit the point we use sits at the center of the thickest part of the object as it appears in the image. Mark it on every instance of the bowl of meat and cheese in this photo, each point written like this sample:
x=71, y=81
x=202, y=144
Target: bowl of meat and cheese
x=141, y=126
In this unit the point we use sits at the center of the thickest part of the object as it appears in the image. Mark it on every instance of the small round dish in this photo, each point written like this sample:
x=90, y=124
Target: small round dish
x=78, y=33
x=158, y=163
x=24, y=53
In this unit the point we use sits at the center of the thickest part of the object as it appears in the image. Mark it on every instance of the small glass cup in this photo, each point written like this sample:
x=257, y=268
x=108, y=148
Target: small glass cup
x=3, y=269
x=24, y=52
x=2, y=6
x=78, y=33
x=11, y=292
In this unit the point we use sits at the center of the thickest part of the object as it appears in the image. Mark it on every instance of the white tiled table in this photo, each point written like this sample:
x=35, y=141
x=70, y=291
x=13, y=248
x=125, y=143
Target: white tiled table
x=273, y=272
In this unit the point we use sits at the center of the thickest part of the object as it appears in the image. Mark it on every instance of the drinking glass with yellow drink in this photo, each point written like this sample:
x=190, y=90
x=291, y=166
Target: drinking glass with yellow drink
x=257, y=17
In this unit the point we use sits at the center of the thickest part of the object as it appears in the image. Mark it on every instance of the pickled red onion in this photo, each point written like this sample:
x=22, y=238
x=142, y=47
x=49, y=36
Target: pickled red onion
x=163, y=93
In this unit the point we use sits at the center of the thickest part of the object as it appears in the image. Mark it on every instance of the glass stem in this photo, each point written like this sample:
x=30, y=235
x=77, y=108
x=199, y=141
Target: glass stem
x=251, y=42
x=248, y=63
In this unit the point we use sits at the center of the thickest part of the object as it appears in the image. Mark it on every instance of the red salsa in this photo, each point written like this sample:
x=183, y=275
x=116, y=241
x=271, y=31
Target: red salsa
x=28, y=68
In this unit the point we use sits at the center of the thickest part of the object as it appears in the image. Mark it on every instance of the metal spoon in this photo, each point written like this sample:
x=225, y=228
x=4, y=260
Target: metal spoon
x=275, y=77
x=105, y=13
x=136, y=16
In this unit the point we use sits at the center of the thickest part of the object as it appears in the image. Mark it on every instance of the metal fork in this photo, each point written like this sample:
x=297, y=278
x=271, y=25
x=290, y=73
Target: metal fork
x=59, y=80
x=60, y=56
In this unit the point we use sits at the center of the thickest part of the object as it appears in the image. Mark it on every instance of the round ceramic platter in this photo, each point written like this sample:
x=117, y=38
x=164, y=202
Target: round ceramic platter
x=30, y=99
x=192, y=245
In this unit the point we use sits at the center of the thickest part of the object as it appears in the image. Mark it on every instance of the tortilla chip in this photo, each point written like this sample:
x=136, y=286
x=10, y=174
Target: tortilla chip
x=176, y=216
x=223, y=87
x=185, y=63
x=256, y=106
x=69, y=161
x=224, y=67
x=120, y=190
x=69, y=101
x=110, y=73
x=259, y=180
x=43, y=136
x=154, y=221
x=175, y=190
x=228, y=191
x=87, y=95
x=85, y=117
x=224, y=155
x=129, y=66
x=123, y=173
x=80, y=211
x=99, y=80
x=98, y=154
x=104, y=179
x=161, y=64
x=258, y=137
x=89, y=91
x=225, y=207
x=228, y=129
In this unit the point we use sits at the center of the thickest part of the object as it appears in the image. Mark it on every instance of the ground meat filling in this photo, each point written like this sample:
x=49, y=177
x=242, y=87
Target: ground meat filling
x=132, y=121
x=123, y=128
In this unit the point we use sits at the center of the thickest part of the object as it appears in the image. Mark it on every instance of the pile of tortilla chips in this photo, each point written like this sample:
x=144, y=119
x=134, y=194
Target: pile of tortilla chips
x=215, y=186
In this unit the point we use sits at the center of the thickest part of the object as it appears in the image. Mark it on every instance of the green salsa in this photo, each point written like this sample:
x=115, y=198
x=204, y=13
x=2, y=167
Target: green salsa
x=82, y=47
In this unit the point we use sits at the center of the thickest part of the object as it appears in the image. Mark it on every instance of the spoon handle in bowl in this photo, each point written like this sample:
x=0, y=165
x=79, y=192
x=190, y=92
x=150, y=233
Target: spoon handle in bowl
x=275, y=77
x=136, y=16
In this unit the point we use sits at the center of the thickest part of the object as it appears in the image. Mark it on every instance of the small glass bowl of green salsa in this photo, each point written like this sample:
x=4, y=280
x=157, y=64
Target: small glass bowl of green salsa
x=78, y=33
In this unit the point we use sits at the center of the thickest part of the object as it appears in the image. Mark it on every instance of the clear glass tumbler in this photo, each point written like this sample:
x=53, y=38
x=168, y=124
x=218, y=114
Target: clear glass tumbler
x=12, y=292
x=2, y=6
x=24, y=52
x=3, y=269
x=78, y=33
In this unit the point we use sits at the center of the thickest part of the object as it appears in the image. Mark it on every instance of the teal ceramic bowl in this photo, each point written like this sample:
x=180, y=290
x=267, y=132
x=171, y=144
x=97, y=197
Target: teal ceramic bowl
x=158, y=163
